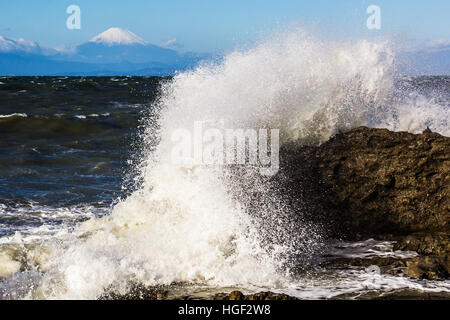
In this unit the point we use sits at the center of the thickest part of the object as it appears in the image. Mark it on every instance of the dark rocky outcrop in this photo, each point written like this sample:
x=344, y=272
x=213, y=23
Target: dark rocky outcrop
x=140, y=292
x=427, y=244
x=137, y=291
x=389, y=182
x=238, y=295
x=374, y=183
x=428, y=267
x=420, y=267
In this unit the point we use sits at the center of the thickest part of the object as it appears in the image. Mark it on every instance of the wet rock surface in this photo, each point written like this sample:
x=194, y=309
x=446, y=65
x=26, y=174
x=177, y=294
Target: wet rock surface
x=374, y=183
x=436, y=243
x=389, y=182
x=137, y=291
x=406, y=294
x=428, y=267
x=140, y=292
x=420, y=267
x=238, y=295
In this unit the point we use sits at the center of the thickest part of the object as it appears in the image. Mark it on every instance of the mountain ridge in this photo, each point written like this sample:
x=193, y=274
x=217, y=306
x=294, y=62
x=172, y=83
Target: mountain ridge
x=114, y=51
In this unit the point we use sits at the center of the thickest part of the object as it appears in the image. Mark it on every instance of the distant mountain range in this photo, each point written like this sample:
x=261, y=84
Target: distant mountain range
x=113, y=52
x=120, y=52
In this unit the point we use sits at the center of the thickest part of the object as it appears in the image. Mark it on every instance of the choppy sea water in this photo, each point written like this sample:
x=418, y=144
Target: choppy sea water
x=66, y=145
x=89, y=200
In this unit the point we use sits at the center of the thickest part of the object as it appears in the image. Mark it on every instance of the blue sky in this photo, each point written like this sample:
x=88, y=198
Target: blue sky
x=219, y=25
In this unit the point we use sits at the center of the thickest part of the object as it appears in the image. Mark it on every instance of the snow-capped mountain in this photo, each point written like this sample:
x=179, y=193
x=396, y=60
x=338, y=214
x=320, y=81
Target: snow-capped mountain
x=118, y=36
x=18, y=45
x=117, y=45
x=113, y=52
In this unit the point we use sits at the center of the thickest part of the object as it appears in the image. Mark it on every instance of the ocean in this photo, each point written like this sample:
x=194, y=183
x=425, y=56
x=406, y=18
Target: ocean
x=61, y=152
x=90, y=201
